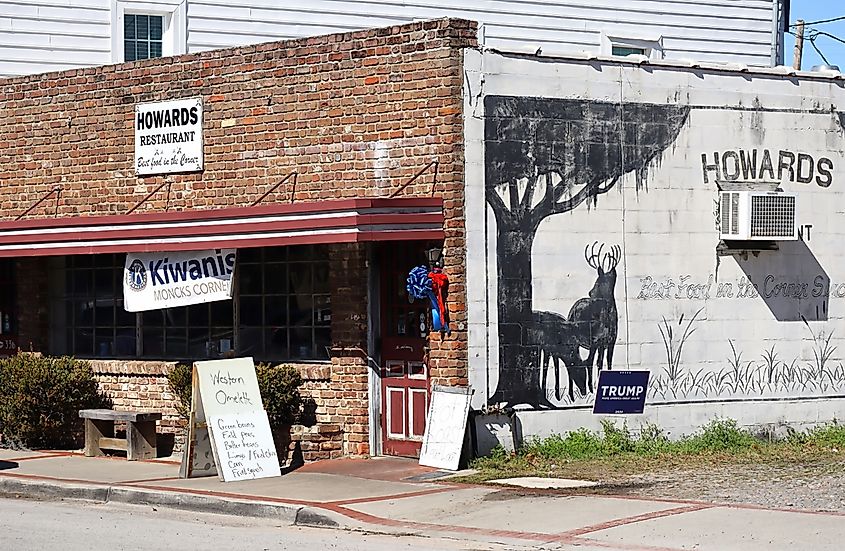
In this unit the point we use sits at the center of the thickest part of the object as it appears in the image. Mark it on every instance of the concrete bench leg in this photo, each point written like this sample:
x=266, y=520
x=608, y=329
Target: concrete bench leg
x=141, y=440
x=94, y=430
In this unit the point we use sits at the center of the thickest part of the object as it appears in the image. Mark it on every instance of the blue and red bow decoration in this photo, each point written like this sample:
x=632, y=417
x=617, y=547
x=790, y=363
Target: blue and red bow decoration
x=432, y=285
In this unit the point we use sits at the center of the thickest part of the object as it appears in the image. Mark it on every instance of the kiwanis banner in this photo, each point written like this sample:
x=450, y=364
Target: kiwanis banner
x=152, y=281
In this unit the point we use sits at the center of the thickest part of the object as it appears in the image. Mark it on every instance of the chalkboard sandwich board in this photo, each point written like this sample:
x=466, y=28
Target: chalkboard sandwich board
x=228, y=430
x=445, y=427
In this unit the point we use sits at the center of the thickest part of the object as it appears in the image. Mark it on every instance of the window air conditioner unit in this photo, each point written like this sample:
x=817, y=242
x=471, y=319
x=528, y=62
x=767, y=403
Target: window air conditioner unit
x=757, y=216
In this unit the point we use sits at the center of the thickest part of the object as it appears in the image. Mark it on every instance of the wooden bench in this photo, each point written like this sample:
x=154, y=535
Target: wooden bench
x=140, y=442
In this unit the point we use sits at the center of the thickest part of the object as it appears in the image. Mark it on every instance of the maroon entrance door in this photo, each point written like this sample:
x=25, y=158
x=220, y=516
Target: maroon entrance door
x=404, y=374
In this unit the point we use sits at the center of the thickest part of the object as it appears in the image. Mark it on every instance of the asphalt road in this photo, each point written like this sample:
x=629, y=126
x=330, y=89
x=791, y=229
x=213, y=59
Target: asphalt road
x=80, y=526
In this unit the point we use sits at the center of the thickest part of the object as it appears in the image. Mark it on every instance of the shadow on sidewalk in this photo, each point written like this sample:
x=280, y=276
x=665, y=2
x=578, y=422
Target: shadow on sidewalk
x=8, y=465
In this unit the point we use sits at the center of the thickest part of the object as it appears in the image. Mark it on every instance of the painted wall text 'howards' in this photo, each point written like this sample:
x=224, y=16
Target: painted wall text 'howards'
x=766, y=165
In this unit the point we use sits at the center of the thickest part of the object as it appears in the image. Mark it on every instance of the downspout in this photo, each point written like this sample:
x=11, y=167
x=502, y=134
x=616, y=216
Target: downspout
x=775, y=32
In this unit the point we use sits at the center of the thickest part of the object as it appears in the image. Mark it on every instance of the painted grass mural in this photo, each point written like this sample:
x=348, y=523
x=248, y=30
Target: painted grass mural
x=767, y=373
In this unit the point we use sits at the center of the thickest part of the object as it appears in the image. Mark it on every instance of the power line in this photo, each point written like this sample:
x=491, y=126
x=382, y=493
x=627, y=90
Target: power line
x=816, y=48
x=820, y=21
x=815, y=34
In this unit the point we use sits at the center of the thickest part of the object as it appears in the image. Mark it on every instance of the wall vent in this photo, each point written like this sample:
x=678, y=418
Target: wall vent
x=757, y=215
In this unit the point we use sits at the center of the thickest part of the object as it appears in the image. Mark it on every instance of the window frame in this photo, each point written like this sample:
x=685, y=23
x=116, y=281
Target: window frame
x=652, y=45
x=174, y=30
x=75, y=283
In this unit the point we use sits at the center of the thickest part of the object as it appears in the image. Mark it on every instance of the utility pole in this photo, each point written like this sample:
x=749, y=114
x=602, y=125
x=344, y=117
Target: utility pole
x=799, y=45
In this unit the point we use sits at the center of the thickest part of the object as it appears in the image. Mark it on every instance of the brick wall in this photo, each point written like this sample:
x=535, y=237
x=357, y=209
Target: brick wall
x=346, y=399
x=355, y=115
x=142, y=385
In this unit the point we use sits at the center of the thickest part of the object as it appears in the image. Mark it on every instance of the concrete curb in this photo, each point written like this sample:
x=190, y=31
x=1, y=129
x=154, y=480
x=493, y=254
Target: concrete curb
x=288, y=514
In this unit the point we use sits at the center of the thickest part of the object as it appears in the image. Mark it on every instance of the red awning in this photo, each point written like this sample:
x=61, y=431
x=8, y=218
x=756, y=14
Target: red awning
x=242, y=227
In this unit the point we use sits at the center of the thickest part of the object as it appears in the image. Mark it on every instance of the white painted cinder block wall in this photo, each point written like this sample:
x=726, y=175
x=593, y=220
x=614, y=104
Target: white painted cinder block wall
x=747, y=356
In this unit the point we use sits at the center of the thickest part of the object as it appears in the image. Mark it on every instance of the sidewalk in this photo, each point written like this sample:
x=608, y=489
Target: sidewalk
x=394, y=495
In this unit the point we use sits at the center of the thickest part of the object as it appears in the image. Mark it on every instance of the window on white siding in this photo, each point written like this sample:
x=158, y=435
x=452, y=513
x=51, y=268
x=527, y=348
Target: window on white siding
x=141, y=30
x=142, y=36
x=624, y=45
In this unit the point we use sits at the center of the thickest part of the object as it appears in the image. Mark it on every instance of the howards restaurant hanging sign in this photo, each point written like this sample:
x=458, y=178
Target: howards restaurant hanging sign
x=152, y=281
x=168, y=137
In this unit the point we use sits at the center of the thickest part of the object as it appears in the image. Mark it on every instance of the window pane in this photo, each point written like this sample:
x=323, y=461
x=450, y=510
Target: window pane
x=322, y=310
x=83, y=342
x=625, y=50
x=301, y=344
x=322, y=342
x=300, y=310
x=142, y=50
x=275, y=278
x=223, y=337
x=153, y=341
x=83, y=313
x=198, y=315
x=82, y=261
x=104, y=282
x=124, y=318
x=172, y=317
x=175, y=343
x=250, y=342
x=321, y=278
x=276, y=311
x=251, y=311
x=221, y=313
x=249, y=278
x=104, y=314
x=200, y=345
x=81, y=283
x=142, y=27
x=129, y=50
x=128, y=26
x=300, y=278
x=104, y=261
x=156, y=24
x=124, y=342
x=155, y=49
x=301, y=252
x=105, y=343
x=276, y=254
x=276, y=343
x=249, y=255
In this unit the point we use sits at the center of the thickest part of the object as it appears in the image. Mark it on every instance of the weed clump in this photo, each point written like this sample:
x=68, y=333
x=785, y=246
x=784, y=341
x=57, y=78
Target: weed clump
x=719, y=435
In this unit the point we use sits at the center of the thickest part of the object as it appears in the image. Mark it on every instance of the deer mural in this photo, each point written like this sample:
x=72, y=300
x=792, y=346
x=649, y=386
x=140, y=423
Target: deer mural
x=556, y=338
x=595, y=317
x=592, y=324
x=545, y=157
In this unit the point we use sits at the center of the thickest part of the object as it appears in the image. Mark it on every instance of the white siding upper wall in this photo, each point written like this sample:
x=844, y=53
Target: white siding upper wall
x=737, y=31
x=50, y=35
x=46, y=35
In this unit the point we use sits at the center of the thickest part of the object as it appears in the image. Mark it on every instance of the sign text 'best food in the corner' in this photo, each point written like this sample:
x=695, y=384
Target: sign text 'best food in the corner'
x=168, y=137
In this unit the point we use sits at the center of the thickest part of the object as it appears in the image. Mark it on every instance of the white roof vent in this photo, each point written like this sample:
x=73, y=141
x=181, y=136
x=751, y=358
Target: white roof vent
x=757, y=216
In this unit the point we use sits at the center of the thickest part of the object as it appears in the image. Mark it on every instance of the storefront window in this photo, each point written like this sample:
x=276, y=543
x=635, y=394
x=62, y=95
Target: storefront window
x=281, y=308
x=284, y=303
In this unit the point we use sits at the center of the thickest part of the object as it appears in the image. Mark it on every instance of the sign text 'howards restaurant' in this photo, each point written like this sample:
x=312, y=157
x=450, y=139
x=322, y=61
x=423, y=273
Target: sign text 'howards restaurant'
x=168, y=137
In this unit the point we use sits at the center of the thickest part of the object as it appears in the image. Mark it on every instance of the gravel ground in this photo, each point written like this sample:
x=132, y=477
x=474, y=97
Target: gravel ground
x=814, y=486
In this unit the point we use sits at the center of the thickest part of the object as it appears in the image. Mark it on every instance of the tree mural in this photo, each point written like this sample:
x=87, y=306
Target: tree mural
x=545, y=157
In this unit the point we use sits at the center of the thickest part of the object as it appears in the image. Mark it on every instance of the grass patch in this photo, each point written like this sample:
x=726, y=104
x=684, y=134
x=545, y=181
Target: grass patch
x=615, y=452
